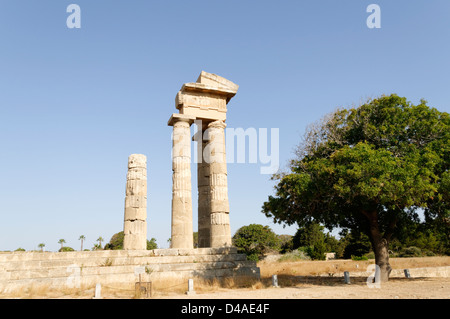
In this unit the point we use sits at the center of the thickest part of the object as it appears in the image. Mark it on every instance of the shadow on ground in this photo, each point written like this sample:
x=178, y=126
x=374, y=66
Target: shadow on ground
x=292, y=281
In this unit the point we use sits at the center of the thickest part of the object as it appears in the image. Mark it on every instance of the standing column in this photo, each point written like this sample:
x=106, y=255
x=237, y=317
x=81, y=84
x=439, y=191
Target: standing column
x=219, y=220
x=182, y=232
x=135, y=220
x=204, y=195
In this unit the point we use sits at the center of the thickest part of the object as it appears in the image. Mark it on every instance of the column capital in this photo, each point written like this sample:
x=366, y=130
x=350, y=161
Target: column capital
x=175, y=117
x=217, y=124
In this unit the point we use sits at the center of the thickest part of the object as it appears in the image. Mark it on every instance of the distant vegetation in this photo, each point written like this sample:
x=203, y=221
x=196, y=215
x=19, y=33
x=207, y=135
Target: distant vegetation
x=311, y=243
x=116, y=242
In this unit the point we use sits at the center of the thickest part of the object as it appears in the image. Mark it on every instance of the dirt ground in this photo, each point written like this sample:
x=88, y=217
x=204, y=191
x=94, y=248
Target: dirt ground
x=297, y=280
x=323, y=280
x=401, y=288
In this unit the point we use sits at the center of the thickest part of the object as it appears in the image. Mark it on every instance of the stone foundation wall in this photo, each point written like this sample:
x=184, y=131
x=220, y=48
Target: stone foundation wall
x=72, y=269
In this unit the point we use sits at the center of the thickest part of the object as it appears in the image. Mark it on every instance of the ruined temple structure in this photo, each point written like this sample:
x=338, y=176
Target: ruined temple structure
x=205, y=103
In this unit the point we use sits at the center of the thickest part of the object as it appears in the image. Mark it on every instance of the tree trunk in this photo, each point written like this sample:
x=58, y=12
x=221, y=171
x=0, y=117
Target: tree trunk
x=380, y=247
x=382, y=259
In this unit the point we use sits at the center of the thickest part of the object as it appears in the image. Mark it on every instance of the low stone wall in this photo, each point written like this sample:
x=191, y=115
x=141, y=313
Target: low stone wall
x=425, y=272
x=73, y=269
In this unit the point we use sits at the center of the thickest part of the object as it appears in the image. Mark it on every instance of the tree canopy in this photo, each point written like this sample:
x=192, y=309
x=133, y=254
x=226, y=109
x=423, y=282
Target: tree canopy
x=369, y=169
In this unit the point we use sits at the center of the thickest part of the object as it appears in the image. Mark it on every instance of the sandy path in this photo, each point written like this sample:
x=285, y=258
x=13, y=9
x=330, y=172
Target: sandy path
x=434, y=288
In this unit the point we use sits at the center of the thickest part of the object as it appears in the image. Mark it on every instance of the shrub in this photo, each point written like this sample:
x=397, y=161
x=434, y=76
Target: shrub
x=151, y=244
x=317, y=252
x=116, y=242
x=64, y=249
x=286, y=243
x=255, y=240
x=360, y=257
x=297, y=254
x=253, y=257
x=411, y=251
x=357, y=244
x=370, y=255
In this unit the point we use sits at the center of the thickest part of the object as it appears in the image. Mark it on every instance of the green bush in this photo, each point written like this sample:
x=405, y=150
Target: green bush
x=116, y=242
x=411, y=251
x=64, y=249
x=370, y=255
x=151, y=244
x=316, y=252
x=356, y=244
x=255, y=240
x=286, y=243
x=360, y=257
x=253, y=257
x=297, y=254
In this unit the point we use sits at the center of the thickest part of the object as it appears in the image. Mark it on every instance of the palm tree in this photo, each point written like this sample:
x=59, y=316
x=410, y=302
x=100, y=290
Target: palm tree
x=41, y=246
x=61, y=241
x=100, y=239
x=82, y=238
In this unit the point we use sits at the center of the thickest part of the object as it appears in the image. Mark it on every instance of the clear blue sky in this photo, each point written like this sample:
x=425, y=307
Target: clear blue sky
x=75, y=103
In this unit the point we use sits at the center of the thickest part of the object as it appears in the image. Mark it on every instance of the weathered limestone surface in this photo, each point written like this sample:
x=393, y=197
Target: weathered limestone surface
x=135, y=217
x=219, y=206
x=204, y=198
x=207, y=98
x=182, y=232
x=83, y=268
x=206, y=101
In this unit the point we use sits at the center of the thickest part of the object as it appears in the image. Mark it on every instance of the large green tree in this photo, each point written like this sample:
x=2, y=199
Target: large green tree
x=368, y=169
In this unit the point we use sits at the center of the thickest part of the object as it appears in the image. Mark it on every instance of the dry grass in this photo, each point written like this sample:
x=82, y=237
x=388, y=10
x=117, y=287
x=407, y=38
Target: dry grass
x=167, y=287
x=38, y=291
x=290, y=274
x=338, y=266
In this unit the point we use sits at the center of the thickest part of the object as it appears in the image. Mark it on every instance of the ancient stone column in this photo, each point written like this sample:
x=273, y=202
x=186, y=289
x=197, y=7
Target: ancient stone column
x=135, y=219
x=220, y=234
x=204, y=195
x=182, y=232
x=206, y=101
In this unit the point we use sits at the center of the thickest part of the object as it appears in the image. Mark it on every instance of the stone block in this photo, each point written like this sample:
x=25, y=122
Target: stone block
x=218, y=206
x=136, y=187
x=135, y=227
x=215, y=80
x=136, y=201
x=132, y=213
x=137, y=173
x=137, y=161
x=218, y=168
x=135, y=241
x=220, y=219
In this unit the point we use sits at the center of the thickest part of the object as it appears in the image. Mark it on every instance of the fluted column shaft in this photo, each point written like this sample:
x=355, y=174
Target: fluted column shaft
x=204, y=196
x=220, y=234
x=135, y=219
x=182, y=232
